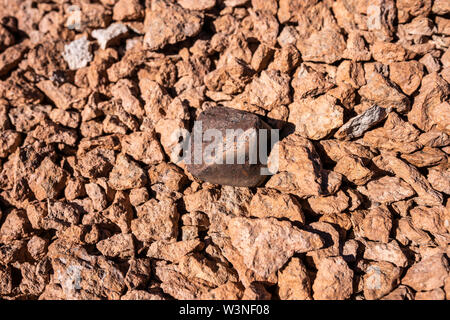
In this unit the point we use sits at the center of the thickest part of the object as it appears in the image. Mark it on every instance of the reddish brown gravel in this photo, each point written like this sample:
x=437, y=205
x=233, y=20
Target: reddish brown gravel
x=94, y=206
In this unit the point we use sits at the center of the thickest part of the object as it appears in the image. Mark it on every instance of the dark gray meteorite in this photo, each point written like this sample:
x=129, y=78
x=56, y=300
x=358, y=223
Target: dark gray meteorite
x=240, y=175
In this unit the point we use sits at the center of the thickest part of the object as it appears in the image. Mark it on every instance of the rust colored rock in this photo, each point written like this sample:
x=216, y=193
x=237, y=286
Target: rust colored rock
x=267, y=244
x=48, y=180
x=396, y=135
x=316, y=118
x=407, y=74
x=10, y=58
x=387, y=190
x=427, y=195
x=299, y=166
x=221, y=119
x=356, y=126
x=126, y=174
x=120, y=245
x=380, y=91
x=167, y=23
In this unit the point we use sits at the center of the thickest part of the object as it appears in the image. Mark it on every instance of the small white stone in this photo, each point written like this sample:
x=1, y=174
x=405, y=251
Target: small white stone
x=77, y=53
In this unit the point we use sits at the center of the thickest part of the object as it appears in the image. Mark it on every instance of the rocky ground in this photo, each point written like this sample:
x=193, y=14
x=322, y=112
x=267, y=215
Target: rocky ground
x=92, y=207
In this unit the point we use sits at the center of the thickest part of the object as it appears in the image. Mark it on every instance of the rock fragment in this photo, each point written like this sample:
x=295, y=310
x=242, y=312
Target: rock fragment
x=316, y=118
x=48, y=180
x=387, y=190
x=167, y=23
x=126, y=174
x=106, y=37
x=271, y=203
x=380, y=91
x=334, y=280
x=120, y=245
x=267, y=244
x=294, y=282
x=235, y=174
x=390, y=252
x=157, y=220
x=428, y=106
x=299, y=167
x=427, y=195
x=77, y=53
x=326, y=46
x=357, y=126
x=379, y=279
x=10, y=58
x=427, y=274
x=127, y=10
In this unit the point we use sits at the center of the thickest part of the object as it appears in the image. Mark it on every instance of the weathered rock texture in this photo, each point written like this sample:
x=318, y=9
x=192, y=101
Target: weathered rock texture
x=95, y=204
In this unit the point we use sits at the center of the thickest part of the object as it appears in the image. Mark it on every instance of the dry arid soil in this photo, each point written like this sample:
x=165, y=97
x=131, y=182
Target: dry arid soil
x=93, y=207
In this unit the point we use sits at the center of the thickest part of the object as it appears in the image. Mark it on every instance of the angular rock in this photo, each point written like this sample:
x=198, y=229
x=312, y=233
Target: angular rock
x=432, y=219
x=167, y=23
x=380, y=91
x=77, y=53
x=326, y=45
x=375, y=224
x=354, y=169
x=173, y=251
x=427, y=109
x=235, y=174
x=439, y=177
x=396, y=135
x=126, y=174
x=299, y=167
x=118, y=246
x=387, y=190
x=316, y=118
x=9, y=141
x=427, y=195
x=294, y=282
x=379, y=279
x=269, y=90
x=310, y=82
x=96, y=163
x=271, y=203
x=332, y=204
x=427, y=274
x=426, y=157
x=267, y=244
x=138, y=273
x=407, y=75
x=107, y=37
x=15, y=226
x=143, y=146
x=82, y=276
x=156, y=221
x=10, y=58
x=389, y=252
x=357, y=126
x=48, y=180
x=125, y=10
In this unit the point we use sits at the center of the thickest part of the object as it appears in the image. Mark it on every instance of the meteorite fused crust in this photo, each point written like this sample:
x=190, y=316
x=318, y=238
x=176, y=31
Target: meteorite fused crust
x=94, y=203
